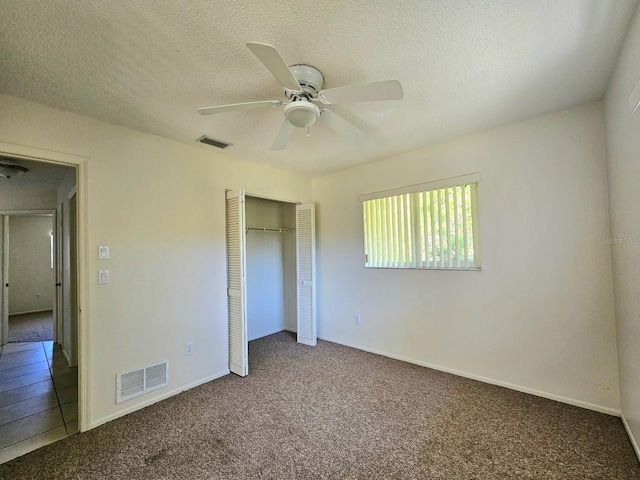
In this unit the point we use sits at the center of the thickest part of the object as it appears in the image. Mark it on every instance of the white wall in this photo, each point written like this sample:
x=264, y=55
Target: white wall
x=539, y=317
x=266, y=253
x=30, y=272
x=160, y=205
x=623, y=147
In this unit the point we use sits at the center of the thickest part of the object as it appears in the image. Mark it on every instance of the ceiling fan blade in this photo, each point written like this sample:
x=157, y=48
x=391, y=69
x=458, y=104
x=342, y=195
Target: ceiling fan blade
x=370, y=92
x=286, y=130
x=239, y=106
x=271, y=59
x=341, y=126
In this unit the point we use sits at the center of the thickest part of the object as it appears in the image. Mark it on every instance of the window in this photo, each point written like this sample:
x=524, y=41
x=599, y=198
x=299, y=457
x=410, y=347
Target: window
x=432, y=225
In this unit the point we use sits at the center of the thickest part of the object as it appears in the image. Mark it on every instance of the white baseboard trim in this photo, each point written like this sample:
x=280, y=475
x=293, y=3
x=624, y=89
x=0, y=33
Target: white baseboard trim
x=511, y=386
x=630, y=434
x=66, y=356
x=279, y=329
x=157, y=399
x=292, y=330
x=32, y=311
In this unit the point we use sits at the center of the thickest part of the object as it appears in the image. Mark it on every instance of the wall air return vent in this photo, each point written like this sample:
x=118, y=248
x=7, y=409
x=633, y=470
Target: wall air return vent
x=143, y=380
x=213, y=142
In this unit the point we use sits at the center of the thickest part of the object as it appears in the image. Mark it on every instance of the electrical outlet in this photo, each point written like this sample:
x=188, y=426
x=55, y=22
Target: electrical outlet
x=357, y=319
x=188, y=348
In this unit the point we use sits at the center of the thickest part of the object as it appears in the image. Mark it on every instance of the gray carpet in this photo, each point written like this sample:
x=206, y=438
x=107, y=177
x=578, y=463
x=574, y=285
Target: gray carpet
x=31, y=327
x=332, y=412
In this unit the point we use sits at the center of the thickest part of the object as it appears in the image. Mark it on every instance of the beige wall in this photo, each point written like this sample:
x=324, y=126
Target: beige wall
x=539, y=317
x=159, y=204
x=623, y=147
x=30, y=272
x=27, y=199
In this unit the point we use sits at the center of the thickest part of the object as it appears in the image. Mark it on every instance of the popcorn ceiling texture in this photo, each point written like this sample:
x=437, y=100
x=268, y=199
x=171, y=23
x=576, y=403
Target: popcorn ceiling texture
x=465, y=66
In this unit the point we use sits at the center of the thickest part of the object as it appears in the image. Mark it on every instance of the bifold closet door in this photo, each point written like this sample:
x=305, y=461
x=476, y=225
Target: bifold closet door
x=236, y=283
x=306, y=272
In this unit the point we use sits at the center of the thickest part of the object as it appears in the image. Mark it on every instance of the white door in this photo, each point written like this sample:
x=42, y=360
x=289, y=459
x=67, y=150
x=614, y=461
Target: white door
x=4, y=276
x=59, y=294
x=236, y=283
x=72, y=334
x=306, y=272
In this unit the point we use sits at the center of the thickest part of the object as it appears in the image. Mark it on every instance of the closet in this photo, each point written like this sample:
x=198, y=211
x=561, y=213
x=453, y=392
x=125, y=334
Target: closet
x=270, y=272
x=271, y=266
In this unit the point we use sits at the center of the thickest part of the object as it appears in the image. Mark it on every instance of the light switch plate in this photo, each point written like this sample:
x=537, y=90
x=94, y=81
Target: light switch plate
x=103, y=252
x=103, y=277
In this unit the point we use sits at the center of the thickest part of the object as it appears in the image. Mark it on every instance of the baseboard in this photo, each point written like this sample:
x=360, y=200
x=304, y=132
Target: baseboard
x=292, y=330
x=66, y=356
x=157, y=399
x=511, y=386
x=267, y=334
x=32, y=311
x=630, y=434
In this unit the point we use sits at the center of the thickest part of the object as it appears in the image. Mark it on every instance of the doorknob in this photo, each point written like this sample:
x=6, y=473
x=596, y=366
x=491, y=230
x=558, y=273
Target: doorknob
x=58, y=284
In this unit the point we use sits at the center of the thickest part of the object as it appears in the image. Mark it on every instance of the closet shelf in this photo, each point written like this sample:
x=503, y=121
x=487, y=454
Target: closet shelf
x=270, y=229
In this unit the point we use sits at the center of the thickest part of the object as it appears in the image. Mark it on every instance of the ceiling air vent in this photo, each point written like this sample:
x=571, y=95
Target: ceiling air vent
x=213, y=142
x=143, y=380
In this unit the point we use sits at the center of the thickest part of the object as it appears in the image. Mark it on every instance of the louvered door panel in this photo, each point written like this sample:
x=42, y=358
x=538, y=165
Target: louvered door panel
x=236, y=287
x=306, y=268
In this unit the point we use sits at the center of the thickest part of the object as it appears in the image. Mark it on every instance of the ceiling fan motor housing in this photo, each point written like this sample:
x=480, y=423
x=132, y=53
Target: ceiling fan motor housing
x=309, y=78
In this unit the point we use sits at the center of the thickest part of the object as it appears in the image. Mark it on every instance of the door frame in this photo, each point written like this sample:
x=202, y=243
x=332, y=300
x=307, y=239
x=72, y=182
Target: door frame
x=6, y=232
x=243, y=253
x=82, y=263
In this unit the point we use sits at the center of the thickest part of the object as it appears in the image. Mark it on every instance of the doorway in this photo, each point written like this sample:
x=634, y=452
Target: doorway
x=274, y=242
x=29, y=257
x=40, y=378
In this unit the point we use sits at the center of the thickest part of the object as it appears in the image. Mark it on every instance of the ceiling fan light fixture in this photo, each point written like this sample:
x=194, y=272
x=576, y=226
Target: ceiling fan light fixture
x=301, y=114
x=9, y=171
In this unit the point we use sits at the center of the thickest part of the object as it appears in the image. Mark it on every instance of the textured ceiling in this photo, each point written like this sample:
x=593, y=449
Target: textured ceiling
x=465, y=66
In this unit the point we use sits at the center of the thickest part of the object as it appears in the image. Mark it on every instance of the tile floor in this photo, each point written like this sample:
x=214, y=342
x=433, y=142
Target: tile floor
x=38, y=397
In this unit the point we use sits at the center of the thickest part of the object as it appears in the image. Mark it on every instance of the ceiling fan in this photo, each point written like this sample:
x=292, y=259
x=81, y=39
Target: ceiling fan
x=302, y=87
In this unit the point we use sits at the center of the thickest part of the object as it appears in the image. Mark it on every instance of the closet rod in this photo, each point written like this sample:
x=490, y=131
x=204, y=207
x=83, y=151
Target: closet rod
x=267, y=229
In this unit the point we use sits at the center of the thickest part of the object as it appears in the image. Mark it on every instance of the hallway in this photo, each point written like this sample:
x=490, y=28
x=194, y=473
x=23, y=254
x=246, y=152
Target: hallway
x=38, y=397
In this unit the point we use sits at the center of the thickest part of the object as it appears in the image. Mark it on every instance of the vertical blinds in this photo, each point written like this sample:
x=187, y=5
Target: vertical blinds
x=434, y=228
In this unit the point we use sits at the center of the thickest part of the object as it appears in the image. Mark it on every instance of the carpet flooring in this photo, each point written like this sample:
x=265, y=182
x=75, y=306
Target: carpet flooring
x=333, y=412
x=31, y=327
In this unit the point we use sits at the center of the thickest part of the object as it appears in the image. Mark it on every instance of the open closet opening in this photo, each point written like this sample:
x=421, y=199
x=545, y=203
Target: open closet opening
x=271, y=266
x=270, y=272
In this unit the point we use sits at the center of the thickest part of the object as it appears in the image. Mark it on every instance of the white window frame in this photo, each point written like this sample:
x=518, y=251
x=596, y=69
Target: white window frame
x=407, y=237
